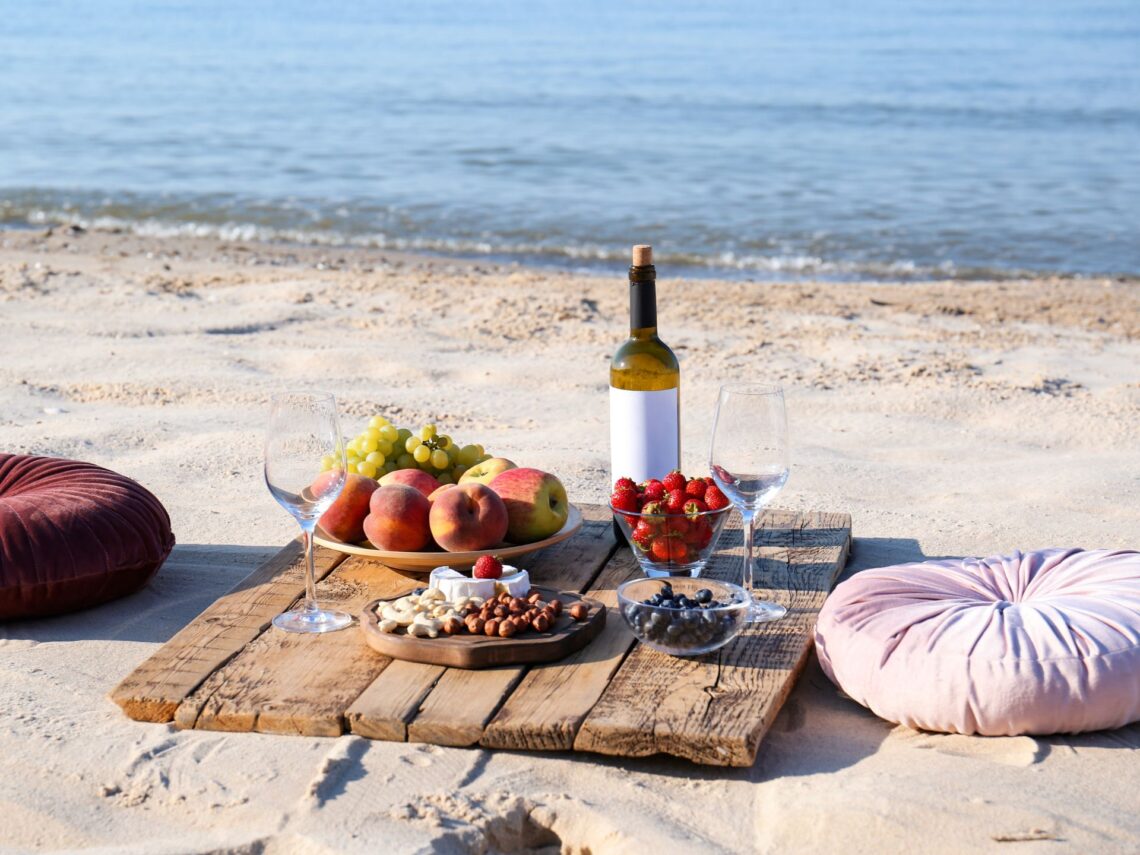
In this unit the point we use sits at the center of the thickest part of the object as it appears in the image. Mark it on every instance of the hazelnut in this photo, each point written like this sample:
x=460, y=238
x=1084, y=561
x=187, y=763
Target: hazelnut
x=557, y=606
x=579, y=611
x=501, y=611
x=540, y=623
x=517, y=605
x=475, y=624
x=451, y=625
x=491, y=627
x=507, y=629
x=533, y=597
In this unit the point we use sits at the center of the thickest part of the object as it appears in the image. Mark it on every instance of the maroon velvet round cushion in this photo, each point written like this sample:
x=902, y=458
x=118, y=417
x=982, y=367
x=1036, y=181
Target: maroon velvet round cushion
x=74, y=535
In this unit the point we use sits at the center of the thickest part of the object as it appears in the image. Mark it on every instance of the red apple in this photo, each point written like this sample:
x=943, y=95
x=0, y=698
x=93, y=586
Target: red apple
x=536, y=503
x=398, y=519
x=469, y=517
x=417, y=478
x=487, y=471
x=344, y=519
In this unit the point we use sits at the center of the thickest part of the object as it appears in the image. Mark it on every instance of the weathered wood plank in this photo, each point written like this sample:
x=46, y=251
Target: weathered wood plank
x=153, y=691
x=455, y=706
x=384, y=709
x=460, y=704
x=715, y=709
x=548, y=706
x=295, y=683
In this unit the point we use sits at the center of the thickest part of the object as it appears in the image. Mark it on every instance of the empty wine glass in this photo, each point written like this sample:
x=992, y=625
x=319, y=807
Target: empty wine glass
x=303, y=431
x=748, y=458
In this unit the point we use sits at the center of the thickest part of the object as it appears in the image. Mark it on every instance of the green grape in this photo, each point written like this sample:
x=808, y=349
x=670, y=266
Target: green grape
x=375, y=458
x=368, y=470
x=402, y=434
x=443, y=441
x=457, y=472
x=469, y=454
x=388, y=433
x=439, y=459
x=480, y=451
x=327, y=462
x=425, y=466
x=427, y=432
x=370, y=444
x=452, y=452
x=352, y=467
x=412, y=443
x=353, y=458
x=445, y=478
x=384, y=448
x=483, y=457
x=377, y=422
x=373, y=432
x=352, y=446
x=390, y=466
x=405, y=461
x=422, y=454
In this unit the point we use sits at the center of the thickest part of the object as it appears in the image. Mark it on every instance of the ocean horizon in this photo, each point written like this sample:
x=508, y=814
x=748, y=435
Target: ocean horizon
x=888, y=141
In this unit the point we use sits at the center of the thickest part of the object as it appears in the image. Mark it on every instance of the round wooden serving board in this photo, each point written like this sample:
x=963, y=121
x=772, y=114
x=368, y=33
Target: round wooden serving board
x=480, y=651
x=425, y=562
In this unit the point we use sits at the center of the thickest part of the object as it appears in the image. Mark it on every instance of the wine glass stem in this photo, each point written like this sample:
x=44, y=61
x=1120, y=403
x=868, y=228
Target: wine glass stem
x=749, y=518
x=310, y=604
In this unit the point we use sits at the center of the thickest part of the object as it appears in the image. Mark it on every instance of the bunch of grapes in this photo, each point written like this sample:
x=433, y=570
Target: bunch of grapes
x=382, y=448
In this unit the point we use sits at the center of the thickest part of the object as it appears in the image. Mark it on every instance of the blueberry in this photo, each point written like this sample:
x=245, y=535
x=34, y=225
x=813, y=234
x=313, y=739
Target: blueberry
x=704, y=595
x=419, y=591
x=666, y=604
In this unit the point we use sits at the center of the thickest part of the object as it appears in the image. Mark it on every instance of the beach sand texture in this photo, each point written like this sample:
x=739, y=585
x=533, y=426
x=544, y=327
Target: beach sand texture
x=948, y=418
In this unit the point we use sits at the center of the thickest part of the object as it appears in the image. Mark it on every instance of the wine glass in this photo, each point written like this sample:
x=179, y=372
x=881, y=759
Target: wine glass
x=304, y=434
x=748, y=458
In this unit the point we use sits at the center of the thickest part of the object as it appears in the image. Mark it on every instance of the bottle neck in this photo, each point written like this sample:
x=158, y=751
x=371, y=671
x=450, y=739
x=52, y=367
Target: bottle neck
x=642, y=302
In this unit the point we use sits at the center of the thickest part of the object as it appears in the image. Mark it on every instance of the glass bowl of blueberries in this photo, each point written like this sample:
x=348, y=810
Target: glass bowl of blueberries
x=682, y=615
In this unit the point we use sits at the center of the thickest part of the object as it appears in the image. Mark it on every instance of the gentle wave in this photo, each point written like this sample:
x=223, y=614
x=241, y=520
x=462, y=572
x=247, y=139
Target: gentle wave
x=194, y=220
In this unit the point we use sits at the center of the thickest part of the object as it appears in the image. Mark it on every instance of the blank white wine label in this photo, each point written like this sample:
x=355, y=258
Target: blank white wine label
x=645, y=437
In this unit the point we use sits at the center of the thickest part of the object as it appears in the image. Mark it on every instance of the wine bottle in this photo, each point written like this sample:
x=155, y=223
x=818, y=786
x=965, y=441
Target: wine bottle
x=645, y=387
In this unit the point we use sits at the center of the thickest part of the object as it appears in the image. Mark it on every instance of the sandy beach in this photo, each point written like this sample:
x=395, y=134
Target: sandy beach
x=948, y=418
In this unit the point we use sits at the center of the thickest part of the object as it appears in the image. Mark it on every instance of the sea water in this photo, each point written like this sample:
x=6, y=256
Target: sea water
x=763, y=139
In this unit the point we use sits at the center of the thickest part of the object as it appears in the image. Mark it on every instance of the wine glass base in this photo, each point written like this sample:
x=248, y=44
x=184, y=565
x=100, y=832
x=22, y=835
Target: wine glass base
x=763, y=611
x=314, y=620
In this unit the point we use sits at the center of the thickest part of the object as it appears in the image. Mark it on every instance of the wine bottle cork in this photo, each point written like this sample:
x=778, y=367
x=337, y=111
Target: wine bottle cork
x=642, y=255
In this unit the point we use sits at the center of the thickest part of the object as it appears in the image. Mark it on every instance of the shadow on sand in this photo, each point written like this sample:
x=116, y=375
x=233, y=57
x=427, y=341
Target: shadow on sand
x=191, y=579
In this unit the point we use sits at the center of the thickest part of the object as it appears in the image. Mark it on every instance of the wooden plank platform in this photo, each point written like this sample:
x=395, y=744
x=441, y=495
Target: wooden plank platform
x=230, y=670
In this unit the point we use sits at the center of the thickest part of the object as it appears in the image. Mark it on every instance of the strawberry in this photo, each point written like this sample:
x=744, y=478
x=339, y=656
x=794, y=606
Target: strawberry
x=695, y=489
x=675, y=501
x=669, y=549
x=625, y=500
x=674, y=481
x=642, y=535
x=487, y=567
x=654, y=490
x=715, y=499
x=693, y=507
x=653, y=511
x=699, y=533
x=625, y=484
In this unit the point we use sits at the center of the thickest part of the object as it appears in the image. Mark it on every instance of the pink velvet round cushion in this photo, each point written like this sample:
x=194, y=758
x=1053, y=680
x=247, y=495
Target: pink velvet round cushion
x=74, y=535
x=1034, y=643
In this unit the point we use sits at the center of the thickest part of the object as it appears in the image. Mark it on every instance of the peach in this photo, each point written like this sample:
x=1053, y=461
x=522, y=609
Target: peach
x=398, y=519
x=536, y=503
x=344, y=519
x=443, y=488
x=417, y=478
x=469, y=517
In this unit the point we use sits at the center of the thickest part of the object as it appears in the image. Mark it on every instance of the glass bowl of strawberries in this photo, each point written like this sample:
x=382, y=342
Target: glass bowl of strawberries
x=672, y=524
